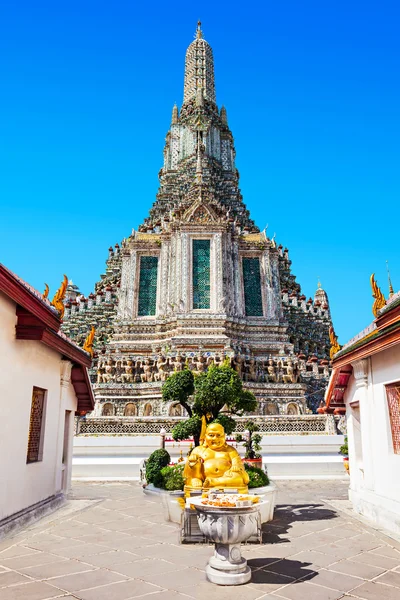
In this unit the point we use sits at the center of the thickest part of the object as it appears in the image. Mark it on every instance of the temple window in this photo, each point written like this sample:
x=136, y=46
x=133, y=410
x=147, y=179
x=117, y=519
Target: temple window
x=201, y=274
x=147, y=286
x=393, y=397
x=36, y=428
x=252, y=287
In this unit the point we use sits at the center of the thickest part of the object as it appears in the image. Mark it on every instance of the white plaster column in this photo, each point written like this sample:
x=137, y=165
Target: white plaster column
x=216, y=279
x=361, y=376
x=185, y=275
x=237, y=279
x=276, y=301
x=164, y=279
x=62, y=471
x=132, y=286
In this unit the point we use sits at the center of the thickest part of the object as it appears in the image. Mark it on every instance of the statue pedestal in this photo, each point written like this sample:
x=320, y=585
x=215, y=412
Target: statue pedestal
x=227, y=528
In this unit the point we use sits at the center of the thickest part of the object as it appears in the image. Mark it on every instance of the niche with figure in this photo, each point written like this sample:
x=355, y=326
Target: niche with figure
x=130, y=410
x=108, y=410
x=148, y=410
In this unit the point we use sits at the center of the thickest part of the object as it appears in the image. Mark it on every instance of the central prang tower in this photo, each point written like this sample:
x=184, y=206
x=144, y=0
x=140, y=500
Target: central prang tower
x=198, y=282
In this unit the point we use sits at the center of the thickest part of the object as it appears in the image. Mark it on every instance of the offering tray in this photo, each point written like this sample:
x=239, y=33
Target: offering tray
x=242, y=505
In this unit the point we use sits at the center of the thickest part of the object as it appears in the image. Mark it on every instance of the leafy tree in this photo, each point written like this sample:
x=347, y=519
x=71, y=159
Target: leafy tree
x=251, y=441
x=156, y=461
x=216, y=395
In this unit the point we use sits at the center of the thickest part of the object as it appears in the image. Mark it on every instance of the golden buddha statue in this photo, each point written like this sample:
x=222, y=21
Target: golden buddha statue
x=214, y=464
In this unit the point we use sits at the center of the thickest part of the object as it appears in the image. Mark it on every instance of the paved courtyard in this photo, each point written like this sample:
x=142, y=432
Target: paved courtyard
x=111, y=543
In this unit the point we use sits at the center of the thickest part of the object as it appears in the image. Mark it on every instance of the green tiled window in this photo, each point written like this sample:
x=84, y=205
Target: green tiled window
x=252, y=287
x=148, y=286
x=201, y=274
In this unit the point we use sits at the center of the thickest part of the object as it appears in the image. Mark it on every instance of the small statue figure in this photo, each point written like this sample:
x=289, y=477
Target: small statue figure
x=162, y=369
x=252, y=370
x=127, y=376
x=147, y=375
x=215, y=464
x=271, y=371
x=238, y=364
x=201, y=365
x=108, y=371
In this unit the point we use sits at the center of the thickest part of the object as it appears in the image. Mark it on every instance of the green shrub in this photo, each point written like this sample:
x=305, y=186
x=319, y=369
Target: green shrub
x=172, y=477
x=156, y=461
x=344, y=449
x=258, y=477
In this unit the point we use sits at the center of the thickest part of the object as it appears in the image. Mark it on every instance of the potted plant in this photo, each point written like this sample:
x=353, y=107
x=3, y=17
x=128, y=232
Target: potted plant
x=344, y=451
x=251, y=441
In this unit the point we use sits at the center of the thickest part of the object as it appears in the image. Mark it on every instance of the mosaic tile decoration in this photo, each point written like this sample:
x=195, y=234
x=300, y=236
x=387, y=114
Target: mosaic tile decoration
x=393, y=396
x=35, y=426
x=252, y=287
x=201, y=274
x=148, y=286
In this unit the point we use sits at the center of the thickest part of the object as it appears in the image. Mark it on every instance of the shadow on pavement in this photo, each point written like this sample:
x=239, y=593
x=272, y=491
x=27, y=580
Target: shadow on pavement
x=287, y=514
x=280, y=572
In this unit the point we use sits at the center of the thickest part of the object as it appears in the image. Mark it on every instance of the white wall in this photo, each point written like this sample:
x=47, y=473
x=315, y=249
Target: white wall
x=374, y=468
x=25, y=364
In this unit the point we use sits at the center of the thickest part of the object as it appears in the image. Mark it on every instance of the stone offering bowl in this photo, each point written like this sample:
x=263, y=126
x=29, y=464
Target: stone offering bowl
x=227, y=528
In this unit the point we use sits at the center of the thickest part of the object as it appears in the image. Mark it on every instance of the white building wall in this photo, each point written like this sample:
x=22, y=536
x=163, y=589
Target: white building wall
x=25, y=364
x=374, y=468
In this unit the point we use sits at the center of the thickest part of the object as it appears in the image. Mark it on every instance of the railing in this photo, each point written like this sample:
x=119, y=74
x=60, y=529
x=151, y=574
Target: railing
x=268, y=425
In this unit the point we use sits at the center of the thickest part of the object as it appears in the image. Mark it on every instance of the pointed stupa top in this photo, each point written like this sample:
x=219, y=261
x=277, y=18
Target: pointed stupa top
x=199, y=69
x=175, y=115
x=321, y=295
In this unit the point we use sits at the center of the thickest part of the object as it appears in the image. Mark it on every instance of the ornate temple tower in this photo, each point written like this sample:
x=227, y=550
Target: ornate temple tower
x=199, y=283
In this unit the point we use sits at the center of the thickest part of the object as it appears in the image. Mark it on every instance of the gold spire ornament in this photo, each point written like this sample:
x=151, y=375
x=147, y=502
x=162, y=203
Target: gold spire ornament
x=46, y=291
x=335, y=346
x=391, y=290
x=88, y=345
x=380, y=301
x=199, y=33
x=58, y=300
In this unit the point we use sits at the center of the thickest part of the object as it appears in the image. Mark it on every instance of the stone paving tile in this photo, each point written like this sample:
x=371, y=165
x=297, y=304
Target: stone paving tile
x=14, y=551
x=376, y=560
x=112, y=558
x=375, y=591
x=308, y=591
x=86, y=580
x=29, y=560
x=79, y=551
x=314, y=558
x=121, y=591
x=12, y=578
x=266, y=581
x=176, y=581
x=140, y=568
x=52, y=546
x=357, y=569
x=387, y=551
x=37, y=590
x=64, y=567
x=390, y=578
x=331, y=579
x=210, y=591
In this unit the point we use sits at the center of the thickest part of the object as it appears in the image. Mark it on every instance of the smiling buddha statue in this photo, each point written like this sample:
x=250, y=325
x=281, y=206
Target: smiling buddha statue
x=214, y=464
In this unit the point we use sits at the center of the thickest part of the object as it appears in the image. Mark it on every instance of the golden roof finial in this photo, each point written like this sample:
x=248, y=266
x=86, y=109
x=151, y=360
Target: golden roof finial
x=58, y=300
x=335, y=346
x=319, y=284
x=46, y=291
x=391, y=290
x=380, y=301
x=199, y=33
x=88, y=345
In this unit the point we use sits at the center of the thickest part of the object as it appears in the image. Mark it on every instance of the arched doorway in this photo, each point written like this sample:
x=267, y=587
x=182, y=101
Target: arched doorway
x=292, y=409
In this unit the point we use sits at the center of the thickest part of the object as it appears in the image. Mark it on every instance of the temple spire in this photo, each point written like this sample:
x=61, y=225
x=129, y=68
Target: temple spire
x=199, y=69
x=391, y=290
x=175, y=115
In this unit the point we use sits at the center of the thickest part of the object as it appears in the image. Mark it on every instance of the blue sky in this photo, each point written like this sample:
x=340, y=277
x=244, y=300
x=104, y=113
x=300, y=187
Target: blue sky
x=312, y=93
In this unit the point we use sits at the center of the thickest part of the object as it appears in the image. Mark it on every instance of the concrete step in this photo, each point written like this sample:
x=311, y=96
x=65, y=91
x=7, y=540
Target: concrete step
x=285, y=457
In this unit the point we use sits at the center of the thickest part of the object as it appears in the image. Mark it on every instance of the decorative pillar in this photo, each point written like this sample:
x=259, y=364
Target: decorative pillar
x=364, y=455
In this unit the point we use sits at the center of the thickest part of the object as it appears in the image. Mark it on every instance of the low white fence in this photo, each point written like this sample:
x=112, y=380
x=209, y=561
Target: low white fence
x=268, y=425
